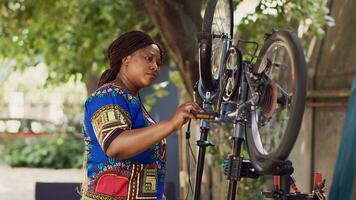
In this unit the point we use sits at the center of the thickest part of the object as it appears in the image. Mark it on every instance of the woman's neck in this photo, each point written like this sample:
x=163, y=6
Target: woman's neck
x=122, y=81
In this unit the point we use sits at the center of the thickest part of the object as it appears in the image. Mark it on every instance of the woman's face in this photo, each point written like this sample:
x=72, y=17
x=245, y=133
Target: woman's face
x=142, y=67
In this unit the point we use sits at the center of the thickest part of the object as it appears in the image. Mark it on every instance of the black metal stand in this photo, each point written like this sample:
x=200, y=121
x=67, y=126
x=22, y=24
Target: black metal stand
x=202, y=143
x=235, y=160
x=234, y=169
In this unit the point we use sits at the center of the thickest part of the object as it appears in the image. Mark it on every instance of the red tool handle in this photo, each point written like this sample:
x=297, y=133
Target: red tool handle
x=318, y=179
x=276, y=182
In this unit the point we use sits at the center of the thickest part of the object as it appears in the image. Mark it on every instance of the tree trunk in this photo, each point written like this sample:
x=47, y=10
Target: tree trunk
x=91, y=83
x=178, y=22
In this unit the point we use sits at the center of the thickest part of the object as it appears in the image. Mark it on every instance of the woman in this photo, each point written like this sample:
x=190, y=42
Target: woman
x=125, y=147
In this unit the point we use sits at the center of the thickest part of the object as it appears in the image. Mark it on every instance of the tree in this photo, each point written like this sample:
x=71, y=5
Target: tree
x=178, y=23
x=71, y=37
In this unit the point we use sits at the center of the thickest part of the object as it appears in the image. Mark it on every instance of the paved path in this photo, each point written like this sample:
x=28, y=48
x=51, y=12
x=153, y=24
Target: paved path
x=19, y=183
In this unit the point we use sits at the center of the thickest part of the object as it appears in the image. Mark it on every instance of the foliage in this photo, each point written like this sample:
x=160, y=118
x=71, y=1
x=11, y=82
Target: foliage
x=251, y=189
x=61, y=151
x=71, y=37
x=307, y=18
x=160, y=91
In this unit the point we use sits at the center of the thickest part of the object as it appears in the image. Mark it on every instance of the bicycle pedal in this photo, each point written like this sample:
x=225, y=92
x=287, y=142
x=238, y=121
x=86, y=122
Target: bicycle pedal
x=205, y=115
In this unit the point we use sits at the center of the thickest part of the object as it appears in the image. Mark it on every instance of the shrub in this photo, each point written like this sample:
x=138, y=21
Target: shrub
x=60, y=151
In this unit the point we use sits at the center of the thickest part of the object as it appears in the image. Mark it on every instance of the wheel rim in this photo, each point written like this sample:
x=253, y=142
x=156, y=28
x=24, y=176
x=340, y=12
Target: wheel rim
x=269, y=129
x=221, y=31
x=232, y=67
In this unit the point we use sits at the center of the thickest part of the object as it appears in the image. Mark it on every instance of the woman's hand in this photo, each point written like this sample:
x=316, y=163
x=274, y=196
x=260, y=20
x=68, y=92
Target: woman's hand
x=184, y=113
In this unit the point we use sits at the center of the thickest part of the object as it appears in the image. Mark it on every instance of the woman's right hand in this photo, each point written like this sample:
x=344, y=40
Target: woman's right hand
x=184, y=113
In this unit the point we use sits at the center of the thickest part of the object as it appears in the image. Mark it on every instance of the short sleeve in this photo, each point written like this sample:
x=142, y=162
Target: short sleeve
x=108, y=122
x=109, y=116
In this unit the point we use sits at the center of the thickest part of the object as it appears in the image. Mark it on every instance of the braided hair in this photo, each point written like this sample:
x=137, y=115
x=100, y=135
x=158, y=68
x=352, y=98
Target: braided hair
x=121, y=47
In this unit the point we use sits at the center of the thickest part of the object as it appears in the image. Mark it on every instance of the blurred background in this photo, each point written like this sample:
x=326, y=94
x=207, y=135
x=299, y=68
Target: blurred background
x=52, y=53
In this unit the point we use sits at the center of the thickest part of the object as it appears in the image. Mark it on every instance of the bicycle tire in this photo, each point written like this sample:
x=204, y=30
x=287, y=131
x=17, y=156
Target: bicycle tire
x=209, y=83
x=267, y=162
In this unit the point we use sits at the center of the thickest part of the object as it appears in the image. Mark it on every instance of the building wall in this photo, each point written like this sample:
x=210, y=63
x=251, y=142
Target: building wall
x=330, y=74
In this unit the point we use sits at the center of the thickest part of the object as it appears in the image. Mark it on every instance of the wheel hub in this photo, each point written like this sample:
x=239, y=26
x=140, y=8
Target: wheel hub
x=268, y=99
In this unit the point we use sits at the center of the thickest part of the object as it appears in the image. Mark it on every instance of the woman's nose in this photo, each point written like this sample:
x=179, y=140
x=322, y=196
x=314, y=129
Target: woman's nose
x=155, y=67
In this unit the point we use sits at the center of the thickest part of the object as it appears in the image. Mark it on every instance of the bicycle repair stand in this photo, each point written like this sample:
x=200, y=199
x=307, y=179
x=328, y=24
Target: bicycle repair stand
x=202, y=144
x=283, y=184
x=283, y=180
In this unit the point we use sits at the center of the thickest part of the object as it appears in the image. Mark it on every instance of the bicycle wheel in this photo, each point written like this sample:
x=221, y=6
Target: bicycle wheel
x=218, y=22
x=281, y=88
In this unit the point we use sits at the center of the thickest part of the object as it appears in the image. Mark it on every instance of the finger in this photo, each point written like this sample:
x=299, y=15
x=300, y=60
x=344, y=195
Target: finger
x=196, y=106
x=187, y=103
x=188, y=115
x=191, y=108
x=190, y=103
x=185, y=106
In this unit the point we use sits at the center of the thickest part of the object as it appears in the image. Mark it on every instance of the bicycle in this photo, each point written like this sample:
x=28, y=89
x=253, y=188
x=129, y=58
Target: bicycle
x=264, y=97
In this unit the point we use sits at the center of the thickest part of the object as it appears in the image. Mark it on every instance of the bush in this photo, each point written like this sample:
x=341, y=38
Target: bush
x=61, y=151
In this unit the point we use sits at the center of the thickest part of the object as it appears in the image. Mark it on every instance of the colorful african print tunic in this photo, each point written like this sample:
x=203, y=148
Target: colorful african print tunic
x=108, y=112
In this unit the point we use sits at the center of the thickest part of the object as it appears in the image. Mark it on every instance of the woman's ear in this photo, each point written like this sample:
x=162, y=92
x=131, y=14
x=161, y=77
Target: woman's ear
x=126, y=60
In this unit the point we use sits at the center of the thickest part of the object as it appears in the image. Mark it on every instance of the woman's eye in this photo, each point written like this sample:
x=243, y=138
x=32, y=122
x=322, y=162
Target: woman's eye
x=149, y=58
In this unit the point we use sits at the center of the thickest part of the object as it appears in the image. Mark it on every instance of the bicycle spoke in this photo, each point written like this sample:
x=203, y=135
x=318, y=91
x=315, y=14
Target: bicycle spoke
x=256, y=132
x=285, y=97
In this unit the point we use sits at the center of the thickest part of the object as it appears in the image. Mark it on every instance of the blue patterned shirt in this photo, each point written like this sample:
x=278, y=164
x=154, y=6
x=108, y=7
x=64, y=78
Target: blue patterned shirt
x=108, y=112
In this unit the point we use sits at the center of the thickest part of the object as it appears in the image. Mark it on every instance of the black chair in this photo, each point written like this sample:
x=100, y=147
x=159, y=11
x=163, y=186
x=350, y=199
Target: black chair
x=170, y=192
x=57, y=191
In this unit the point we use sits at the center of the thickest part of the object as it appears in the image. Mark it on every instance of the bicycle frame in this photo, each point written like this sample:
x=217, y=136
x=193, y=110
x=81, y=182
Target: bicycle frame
x=239, y=121
x=248, y=97
x=235, y=160
x=238, y=108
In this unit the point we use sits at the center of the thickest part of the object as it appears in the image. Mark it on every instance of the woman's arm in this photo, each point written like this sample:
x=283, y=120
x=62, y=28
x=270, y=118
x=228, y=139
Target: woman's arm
x=132, y=142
